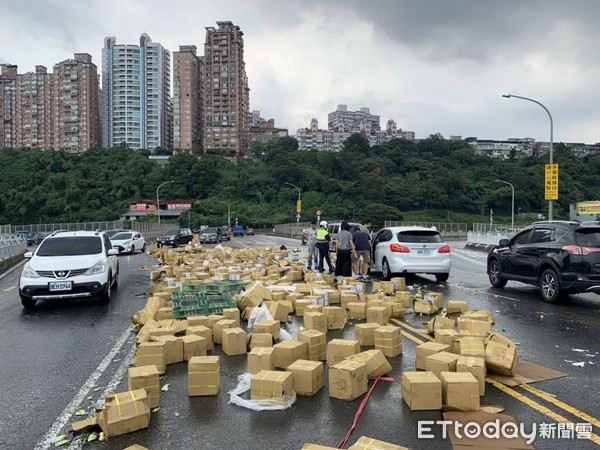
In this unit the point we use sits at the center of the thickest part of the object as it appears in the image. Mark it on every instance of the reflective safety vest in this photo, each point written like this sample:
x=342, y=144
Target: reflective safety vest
x=322, y=235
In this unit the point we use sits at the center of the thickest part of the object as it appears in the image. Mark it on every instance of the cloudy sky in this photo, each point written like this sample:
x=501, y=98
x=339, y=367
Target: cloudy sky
x=432, y=65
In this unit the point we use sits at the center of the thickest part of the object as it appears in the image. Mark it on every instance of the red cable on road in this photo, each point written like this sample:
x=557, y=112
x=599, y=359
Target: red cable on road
x=361, y=408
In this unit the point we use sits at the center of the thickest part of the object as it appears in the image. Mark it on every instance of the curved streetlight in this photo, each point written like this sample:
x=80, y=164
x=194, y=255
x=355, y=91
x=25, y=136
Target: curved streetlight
x=299, y=200
x=550, y=204
x=229, y=212
x=157, y=199
x=512, y=214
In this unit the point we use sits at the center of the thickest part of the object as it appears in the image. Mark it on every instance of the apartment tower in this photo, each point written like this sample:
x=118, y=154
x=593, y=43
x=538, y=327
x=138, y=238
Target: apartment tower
x=136, y=94
x=188, y=97
x=8, y=99
x=226, y=95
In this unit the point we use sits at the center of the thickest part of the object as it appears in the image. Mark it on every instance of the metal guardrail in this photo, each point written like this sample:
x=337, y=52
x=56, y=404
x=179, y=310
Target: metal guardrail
x=446, y=229
x=11, y=247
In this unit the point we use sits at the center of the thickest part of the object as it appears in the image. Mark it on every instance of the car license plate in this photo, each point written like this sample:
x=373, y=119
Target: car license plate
x=424, y=252
x=60, y=286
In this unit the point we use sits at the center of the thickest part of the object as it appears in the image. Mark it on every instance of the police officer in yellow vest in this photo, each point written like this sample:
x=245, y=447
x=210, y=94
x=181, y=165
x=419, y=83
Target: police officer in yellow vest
x=323, y=239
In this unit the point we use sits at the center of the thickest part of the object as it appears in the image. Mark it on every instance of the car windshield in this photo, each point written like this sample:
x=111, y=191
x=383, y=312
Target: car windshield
x=71, y=246
x=225, y=229
x=209, y=230
x=420, y=237
x=170, y=233
x=121, y=236
x=111, y=233
x=589, y=237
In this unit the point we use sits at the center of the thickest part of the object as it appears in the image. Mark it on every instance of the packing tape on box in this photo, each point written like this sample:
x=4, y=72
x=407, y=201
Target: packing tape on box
x=137, y=412
x=369, y=444
x=277, y=381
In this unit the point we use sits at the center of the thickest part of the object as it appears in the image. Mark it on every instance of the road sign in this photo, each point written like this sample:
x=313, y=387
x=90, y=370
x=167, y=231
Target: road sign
x=298, y=206
x=319, y=213
x=588, y=208
x=551, y=182
x=298, y=216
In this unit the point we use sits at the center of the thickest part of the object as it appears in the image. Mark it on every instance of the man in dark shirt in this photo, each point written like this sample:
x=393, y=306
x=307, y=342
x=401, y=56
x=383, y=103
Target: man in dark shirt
x=361, y=255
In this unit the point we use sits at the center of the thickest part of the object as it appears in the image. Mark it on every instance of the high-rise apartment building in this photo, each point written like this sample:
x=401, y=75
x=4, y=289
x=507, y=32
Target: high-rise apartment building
x=8, y=99
x=135, y=94
x=343, y=120
x=226, y=95
x=188, y=97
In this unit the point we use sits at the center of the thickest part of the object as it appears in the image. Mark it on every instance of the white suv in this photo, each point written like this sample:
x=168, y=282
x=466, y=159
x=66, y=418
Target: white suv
x=70, y=264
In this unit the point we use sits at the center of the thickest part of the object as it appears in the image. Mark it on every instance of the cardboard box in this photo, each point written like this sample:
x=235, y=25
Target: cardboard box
x=440, y=323
x=204, y=376
x=470, y=346
x=261, y=358
x=336, y=317
x=501, y=355
x=441, y=362
x=313, y=308
x=234, y=341
x=279, y=311
x=149, y=353
x=268, y=326
x=478, y=327
x=422, y=391
x=385, y=287
x=301, y=304
x=460, y=390
x=317, y=343
x=193, y=345
x=219, y=327
x=166, y=331
x=259, y=340
x=399, y=283
x=429, y=348
x=377, y=363
x=475, y=366
x=364, y=333
x=146, y=377
x=405, y=298
x=457, y=306
x=479, y=314
x=174, y=348
x=357, y=310
x=347, y=297
x=422, y=307
x=397, y=309
x=212, y=319
x=308, y=376
x=348, y=380
x=136, y=447
x=388, y=339
x=232, y=314
x=339, y=349
x=287, y=352
x=378, y=314
x=436, y=298
x=164, y=313
x=367, y=443
x=195, y=321
x=447, y=337
x=308, y=446
x=202, y=331
x=271, y=384
x=315, y=321
x=334, y=298
x=125, y=412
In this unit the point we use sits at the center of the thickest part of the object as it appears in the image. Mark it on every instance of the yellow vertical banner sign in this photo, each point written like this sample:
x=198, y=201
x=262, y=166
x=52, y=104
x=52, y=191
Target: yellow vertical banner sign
x=551, y=182
x=298, y=206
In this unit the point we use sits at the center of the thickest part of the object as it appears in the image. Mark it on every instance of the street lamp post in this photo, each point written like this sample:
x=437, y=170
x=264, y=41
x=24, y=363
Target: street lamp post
x=512, y=213
x=229, y=212
x=158, y=200
x=550, y=204
x=299, y=199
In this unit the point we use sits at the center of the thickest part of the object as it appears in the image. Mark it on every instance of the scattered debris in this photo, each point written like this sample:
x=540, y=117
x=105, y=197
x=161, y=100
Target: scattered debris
x=80, y=412
x=92, y=437
x=579, y=350
x=156, y=409
x=579, y=364
x=165, y=388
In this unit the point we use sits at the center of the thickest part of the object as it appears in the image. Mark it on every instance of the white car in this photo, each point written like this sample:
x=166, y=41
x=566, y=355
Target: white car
x=70, y=264
x=410, y=250
x=128, y=242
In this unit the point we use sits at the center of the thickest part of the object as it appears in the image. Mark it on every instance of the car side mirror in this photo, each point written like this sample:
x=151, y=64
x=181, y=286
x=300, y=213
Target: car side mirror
x=503, y=243
x=28, y=255
x=112, y=252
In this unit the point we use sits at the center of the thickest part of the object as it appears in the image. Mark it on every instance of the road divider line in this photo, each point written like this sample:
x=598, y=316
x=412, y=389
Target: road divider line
x=243, y=244
x=12, y=269
x=466, y=258
x=9, y=289
x=65, y=415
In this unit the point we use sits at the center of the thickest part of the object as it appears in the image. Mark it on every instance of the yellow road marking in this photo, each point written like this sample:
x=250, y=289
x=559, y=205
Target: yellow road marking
x=240, y=242
x=414, y=330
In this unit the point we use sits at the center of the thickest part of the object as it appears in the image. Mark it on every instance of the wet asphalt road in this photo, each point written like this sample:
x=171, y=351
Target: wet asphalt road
x=49, y=356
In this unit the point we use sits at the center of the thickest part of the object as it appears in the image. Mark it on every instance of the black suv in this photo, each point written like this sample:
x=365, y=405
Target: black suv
x=175, y=238
x=560, y=257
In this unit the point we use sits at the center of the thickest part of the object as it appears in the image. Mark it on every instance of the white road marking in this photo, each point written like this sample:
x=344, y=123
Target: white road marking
x=13, y=269
x=63, y=418
x=9, y=288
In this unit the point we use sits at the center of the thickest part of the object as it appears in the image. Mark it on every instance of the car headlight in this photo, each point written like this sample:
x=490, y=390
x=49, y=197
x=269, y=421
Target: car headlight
x=28, y=272
x=99, y=267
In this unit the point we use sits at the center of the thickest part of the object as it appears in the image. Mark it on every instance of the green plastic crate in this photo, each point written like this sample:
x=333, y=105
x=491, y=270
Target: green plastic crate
x=194, y=303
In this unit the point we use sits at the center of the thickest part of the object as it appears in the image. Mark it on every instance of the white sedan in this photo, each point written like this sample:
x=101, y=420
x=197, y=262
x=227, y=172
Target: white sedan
x=410, y=250
x=128, y=242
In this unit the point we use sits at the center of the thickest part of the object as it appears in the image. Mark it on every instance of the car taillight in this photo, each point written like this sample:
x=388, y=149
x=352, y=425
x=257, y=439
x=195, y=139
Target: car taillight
x=579, y=250
x=444, y=249
x=397, y=248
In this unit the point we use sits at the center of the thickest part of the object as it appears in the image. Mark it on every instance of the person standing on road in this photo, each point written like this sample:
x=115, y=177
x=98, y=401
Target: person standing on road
x=345, y=246
x=366, y=226
x=310, y=235
x=361, y=256
x=323, y=239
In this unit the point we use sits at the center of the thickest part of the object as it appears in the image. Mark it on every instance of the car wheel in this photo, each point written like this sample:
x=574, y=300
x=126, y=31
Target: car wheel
x=174, y=244
x=495, y=274
x=132, y=250
x=28, y=303
x=442, y=277
x=550, y=286
x=144, y=248
x=106, y=296
x=386, y=272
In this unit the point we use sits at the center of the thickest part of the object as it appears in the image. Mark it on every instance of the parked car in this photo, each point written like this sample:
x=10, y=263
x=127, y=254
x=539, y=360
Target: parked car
x=333, y=229
x=111, y=233
x=225, y=235
x=250, y=231
x=70, y=264
x=410, y=250
x=27, y=235
x=210, y=235
x=128, y=242
x=238, y=230
x=559, y=257
x=175, y=237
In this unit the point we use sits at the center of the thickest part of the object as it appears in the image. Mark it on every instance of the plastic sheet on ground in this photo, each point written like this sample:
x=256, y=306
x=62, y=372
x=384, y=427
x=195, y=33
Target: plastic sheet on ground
x=270, y=404
x=259, y=314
